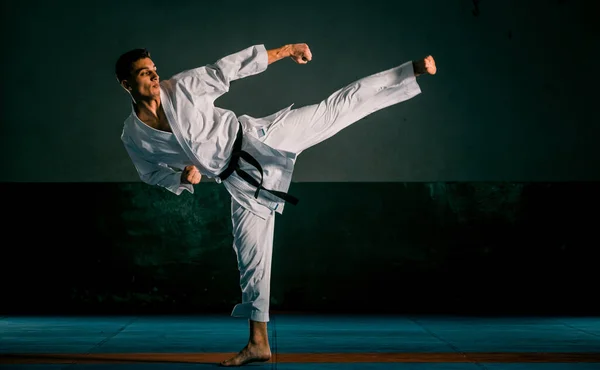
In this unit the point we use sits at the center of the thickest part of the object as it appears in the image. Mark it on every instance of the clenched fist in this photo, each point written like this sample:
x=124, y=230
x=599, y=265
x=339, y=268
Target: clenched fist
x=300, y=53
x=190, y=175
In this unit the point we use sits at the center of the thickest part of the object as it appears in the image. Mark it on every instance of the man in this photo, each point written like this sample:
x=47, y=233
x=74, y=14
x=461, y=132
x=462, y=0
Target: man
x=175, y=135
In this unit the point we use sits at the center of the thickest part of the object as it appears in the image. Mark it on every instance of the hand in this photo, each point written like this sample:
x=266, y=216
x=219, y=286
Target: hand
x=300, y=53
x=190, y=175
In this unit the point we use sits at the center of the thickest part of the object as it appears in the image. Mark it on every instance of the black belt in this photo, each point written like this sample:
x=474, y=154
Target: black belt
x=235, y=166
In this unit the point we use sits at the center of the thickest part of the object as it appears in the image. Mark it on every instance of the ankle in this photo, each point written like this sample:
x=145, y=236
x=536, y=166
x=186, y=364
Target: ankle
x=419, y=67
x=258, y=341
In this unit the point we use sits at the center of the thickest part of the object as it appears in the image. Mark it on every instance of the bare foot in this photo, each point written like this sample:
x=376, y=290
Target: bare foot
x=250, y=353
x=426, y=65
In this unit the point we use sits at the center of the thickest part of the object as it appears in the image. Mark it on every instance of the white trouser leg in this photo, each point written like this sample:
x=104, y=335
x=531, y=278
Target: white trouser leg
x=253, y=245
x=302, y=128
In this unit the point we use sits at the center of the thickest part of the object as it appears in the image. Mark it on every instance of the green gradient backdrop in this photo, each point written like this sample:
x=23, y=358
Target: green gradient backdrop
x=511, y=116
x=437, y=247
x=513, y=100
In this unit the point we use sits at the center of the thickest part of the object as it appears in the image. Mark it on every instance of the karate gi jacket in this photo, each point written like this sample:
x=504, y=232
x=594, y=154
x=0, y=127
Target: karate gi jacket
x=203, y=135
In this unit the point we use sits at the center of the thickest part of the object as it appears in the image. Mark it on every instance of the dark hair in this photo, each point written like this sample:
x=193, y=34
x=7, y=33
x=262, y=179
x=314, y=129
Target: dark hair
x=123, y=65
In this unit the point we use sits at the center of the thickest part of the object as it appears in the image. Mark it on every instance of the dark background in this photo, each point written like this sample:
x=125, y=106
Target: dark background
x=514, y=98
x=485, y=248
x=480, y=195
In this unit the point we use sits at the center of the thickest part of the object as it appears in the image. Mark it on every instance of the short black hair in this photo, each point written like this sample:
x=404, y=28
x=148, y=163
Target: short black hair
x=126, y=60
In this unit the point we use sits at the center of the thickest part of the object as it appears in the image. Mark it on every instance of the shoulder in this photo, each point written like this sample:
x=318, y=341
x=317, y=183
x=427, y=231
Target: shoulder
x=191, y=82
x=127, y=130
x=186, y=76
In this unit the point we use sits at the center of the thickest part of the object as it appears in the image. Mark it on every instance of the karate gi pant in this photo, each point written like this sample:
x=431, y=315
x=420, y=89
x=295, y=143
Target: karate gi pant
x=298, y=130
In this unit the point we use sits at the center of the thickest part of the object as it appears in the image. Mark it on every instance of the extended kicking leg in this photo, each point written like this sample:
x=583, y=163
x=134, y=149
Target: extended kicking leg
x=425, y=66
x=307, y=126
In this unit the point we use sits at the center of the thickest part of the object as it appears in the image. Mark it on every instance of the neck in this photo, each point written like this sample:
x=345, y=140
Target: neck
x=147, y=107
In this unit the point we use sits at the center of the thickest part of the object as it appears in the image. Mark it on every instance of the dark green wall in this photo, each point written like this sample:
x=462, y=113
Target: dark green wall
x=513, y=99
x=434, y=247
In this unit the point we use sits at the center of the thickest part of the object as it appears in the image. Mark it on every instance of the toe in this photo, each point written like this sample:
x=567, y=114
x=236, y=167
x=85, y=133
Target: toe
x=225, y=363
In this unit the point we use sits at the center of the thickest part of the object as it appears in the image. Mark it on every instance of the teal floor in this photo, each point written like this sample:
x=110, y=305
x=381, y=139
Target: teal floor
x=310, y=334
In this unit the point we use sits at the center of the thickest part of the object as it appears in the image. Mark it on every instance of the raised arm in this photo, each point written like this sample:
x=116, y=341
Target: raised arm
x=300, y=53
x=214, y=80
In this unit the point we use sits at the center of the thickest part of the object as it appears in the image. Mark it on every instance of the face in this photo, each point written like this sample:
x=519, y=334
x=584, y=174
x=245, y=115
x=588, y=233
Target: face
x=144, y=80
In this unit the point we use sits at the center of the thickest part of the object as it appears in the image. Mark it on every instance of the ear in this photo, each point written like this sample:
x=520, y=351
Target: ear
x=125, y=84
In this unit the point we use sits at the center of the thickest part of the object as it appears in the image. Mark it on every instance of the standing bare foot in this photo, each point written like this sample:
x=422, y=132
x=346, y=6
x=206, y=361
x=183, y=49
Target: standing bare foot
x=426, y=65
x=250, y=353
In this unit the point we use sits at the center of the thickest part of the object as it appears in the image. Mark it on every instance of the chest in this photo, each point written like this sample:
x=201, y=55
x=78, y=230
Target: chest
x=158, y=122
x=161, y=123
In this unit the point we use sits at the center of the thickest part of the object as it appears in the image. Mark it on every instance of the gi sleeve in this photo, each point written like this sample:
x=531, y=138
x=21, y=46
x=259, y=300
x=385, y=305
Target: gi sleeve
x=158, y=174
x=213, y=80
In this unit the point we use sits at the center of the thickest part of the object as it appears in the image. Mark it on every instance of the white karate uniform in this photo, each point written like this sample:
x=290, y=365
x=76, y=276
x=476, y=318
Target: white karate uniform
x=203, y=135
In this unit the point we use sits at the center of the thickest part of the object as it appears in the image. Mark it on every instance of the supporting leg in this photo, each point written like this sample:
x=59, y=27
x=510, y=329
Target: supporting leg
x=307, y=126
x=253, y=244
x=257, y=349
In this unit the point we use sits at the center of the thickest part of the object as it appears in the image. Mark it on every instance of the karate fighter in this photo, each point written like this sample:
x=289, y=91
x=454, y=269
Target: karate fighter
x=175, y=135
